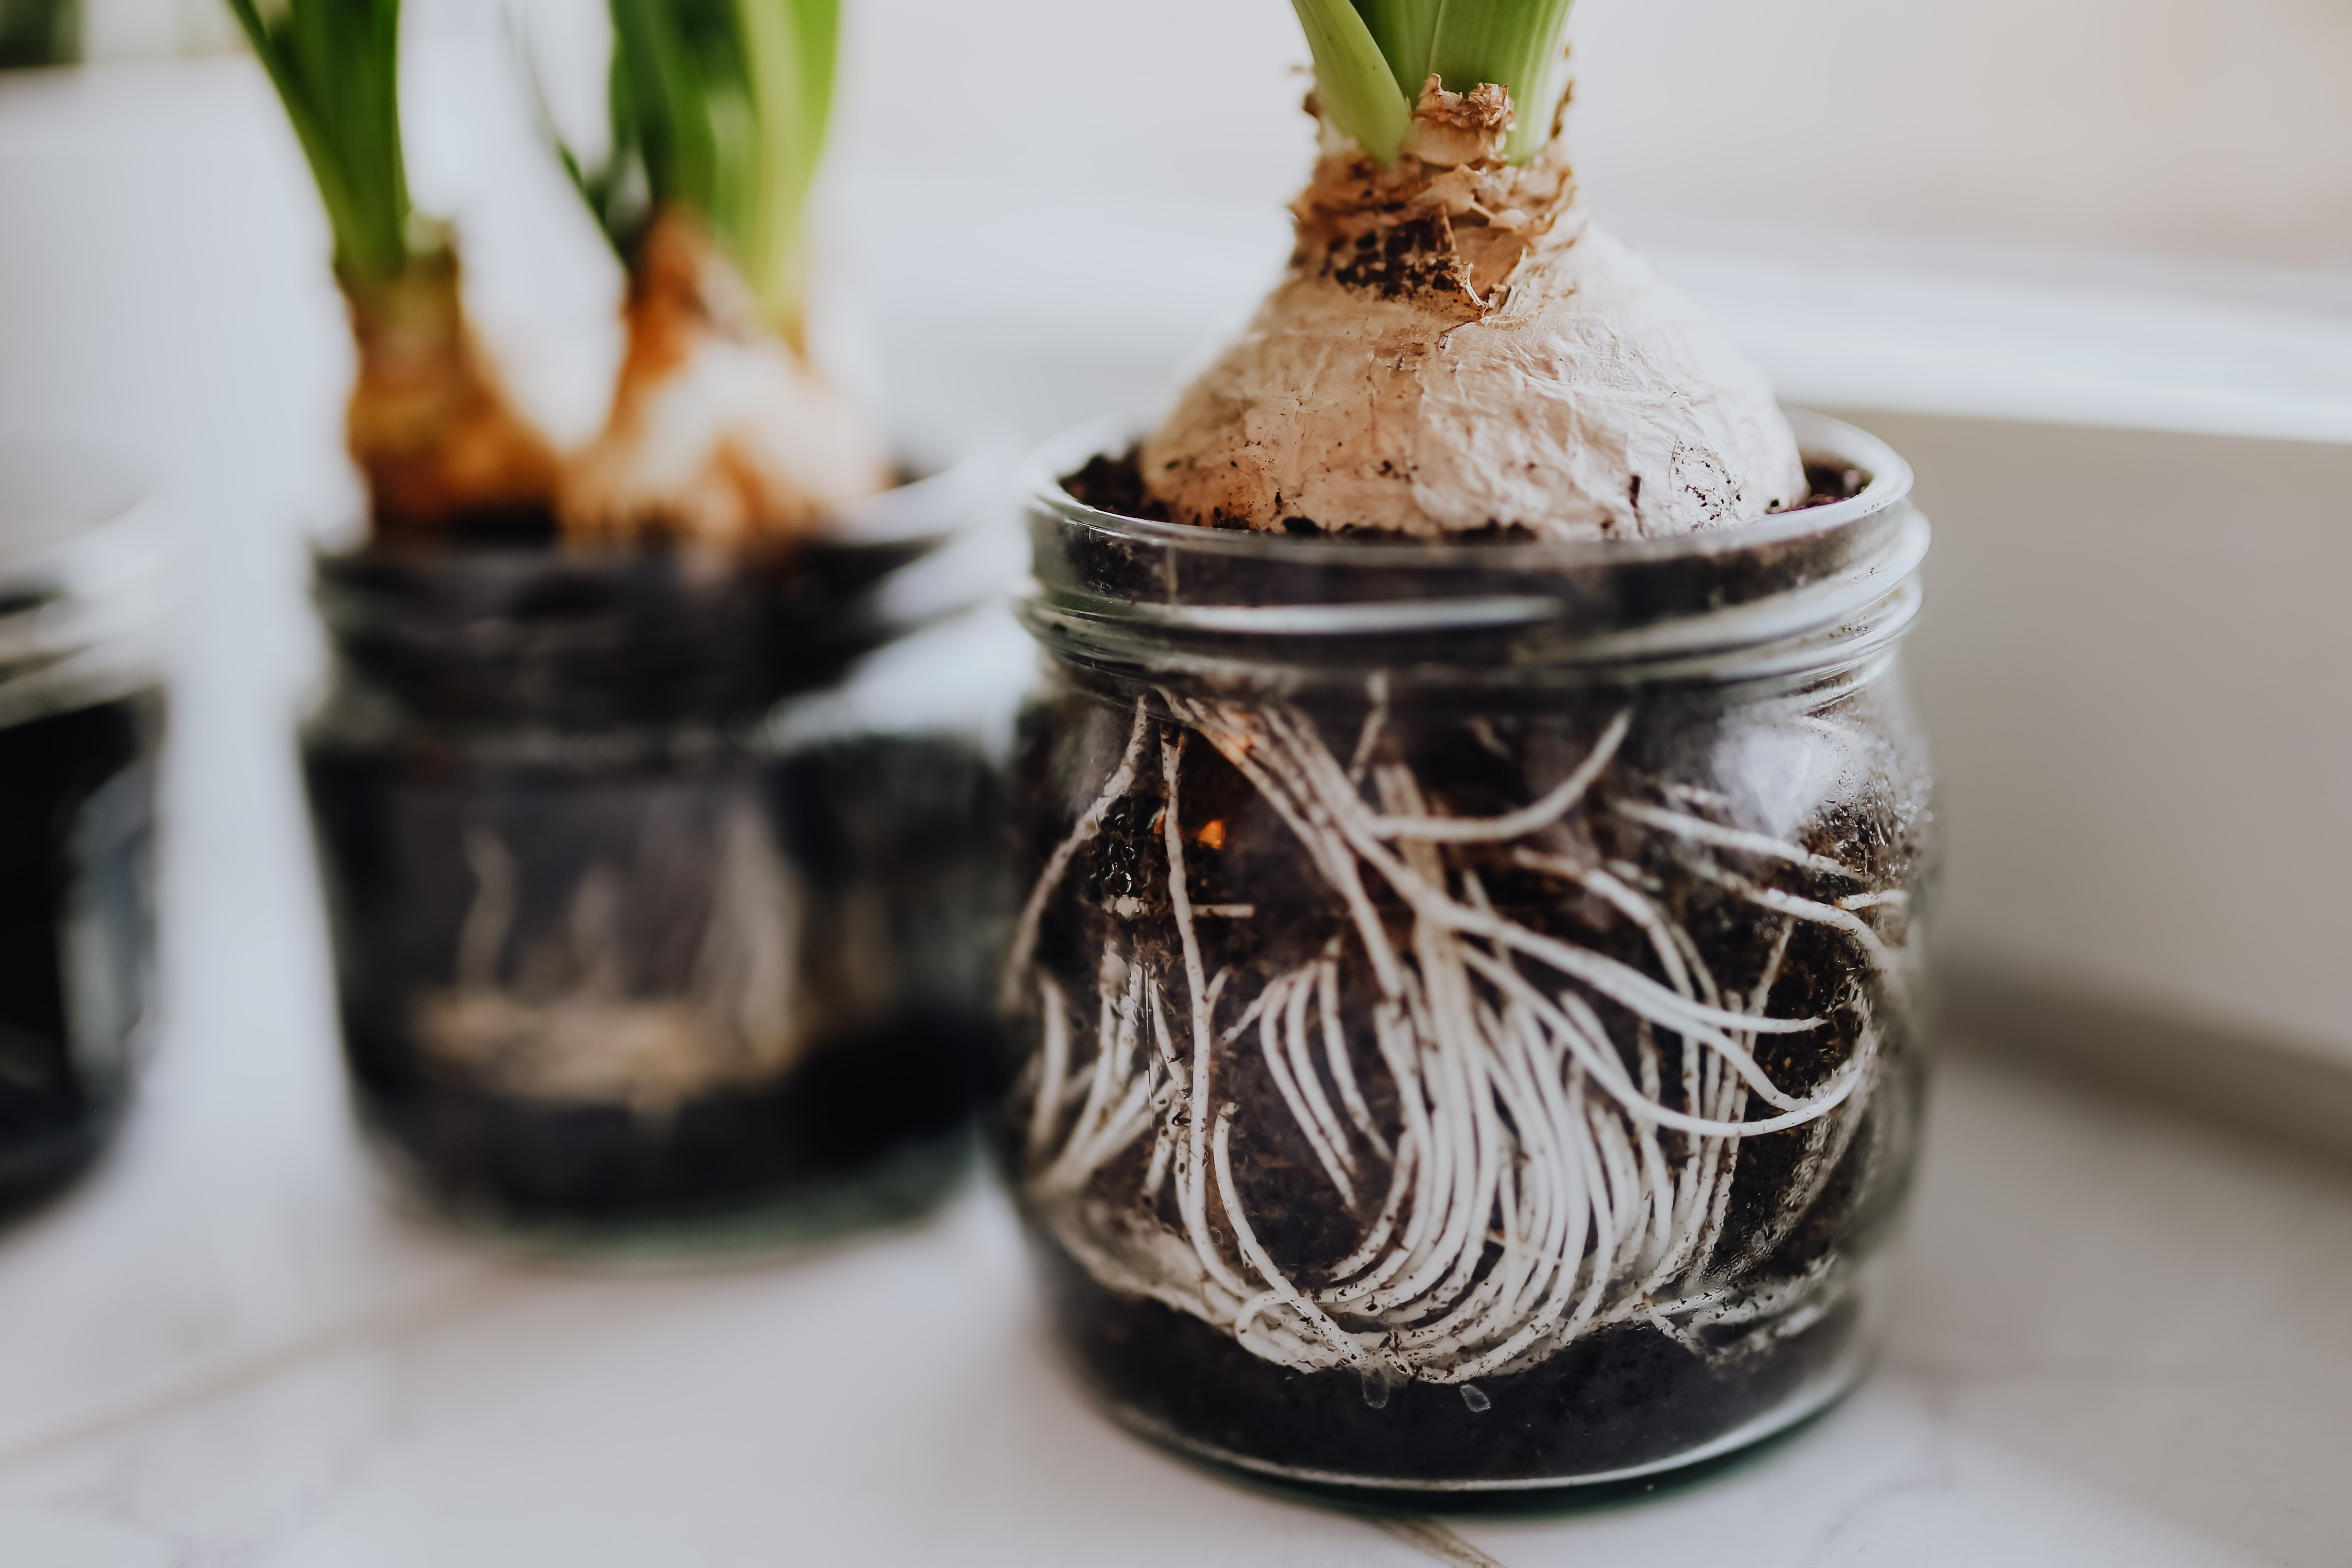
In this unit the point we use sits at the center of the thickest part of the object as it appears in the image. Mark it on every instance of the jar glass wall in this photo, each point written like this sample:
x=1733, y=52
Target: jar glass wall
x=1466, y=1012
x=624, y=954
x=81, y=724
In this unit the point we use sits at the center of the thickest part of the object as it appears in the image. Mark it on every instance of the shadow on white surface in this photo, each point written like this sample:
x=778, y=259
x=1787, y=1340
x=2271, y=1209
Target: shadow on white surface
x=2116, y=1342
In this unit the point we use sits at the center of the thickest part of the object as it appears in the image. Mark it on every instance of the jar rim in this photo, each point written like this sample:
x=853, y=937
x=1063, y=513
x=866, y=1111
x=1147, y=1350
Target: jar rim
x=915, y=516
x=1820, y=588
x=606, y=634
x=1888, y=484
x=84, y=578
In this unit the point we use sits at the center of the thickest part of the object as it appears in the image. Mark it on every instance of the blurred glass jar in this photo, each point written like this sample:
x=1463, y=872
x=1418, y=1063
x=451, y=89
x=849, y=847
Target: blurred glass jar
x=82, y=611
x=627, y=952
x=1465, y=1016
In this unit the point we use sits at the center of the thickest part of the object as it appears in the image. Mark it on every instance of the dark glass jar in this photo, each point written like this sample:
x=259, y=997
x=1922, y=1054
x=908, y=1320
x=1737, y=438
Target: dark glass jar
x=626, y=954
x=82, y=723
x=1465, y=1015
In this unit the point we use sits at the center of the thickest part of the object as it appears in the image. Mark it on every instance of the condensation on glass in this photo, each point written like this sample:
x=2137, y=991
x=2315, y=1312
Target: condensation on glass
x=628, y=951
x=1464, y=1018
x=82, y=609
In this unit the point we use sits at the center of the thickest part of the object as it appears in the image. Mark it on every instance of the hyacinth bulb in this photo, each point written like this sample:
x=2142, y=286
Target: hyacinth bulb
x=1458, y=347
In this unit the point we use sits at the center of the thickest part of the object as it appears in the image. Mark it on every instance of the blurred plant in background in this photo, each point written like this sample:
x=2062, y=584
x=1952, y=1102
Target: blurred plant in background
x=39, y=32
x=60, y=32
x=722, y=428
x=719, y=108
x=428, y=424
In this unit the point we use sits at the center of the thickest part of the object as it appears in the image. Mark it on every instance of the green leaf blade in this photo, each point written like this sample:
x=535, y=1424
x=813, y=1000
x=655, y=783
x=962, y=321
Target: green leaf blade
x=1521, y=45
x=1353, y=80
x=335, y=64
x=1404, y=29
x=723, y=105
x=792, y=49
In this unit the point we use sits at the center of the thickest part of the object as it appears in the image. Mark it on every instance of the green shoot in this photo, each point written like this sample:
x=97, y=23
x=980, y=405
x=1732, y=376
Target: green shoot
x=1522, y=44
x=1353, y=81
x=1372, y=57
x=39, y=33
x=1405, y=28
x=719, y=107
x=335, y=65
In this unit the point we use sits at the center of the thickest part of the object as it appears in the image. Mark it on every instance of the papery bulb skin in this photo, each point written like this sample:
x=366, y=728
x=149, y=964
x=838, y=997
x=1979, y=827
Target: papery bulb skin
x=1457, y=348
x=721, y=431
x=433, y=432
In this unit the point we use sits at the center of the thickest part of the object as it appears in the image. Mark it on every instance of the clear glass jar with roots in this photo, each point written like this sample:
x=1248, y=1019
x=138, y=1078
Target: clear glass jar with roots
x=1465, y=1008
x=661, y=935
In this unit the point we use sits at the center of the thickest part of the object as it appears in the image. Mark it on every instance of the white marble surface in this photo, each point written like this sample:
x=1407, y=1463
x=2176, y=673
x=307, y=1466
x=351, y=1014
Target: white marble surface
x=2116, y=1340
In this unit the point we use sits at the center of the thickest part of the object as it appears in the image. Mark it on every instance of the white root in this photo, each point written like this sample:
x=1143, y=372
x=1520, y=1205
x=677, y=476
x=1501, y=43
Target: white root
x=1103, y=1130
x=1247, y=1241
x=1286, y=1085
x=1310, y=1087
x=1884, y=959
x=1193, y=1183
x=1058, y=864
x=1537, y=1178
x=1376, y=686
x=1338, y=1056
x=1050, y=1066
x=1518, y=824
x=1699, y=830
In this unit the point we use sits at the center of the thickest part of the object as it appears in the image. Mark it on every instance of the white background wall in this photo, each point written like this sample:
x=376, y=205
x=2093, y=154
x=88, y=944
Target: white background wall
x=2133, y=663
x=2210, y=130
x=2217, y=130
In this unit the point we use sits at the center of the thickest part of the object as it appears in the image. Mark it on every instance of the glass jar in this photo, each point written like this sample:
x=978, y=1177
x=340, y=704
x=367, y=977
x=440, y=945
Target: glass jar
x=82, y=608
x=628, y=955
x=1465, y=1016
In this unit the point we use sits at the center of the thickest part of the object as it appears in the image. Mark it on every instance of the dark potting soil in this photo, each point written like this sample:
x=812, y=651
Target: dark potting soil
x=76, y=812
x=1115, y=485
x=1621, y=1397
x=855, y=1106
x=891, y=848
